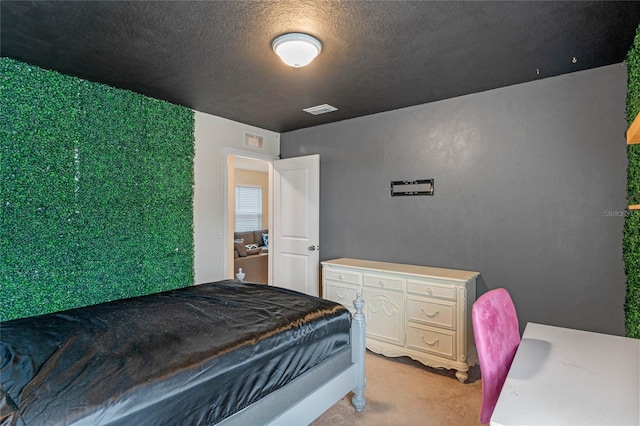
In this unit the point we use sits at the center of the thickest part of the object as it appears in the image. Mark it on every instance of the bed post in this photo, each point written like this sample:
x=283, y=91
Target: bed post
x=358, y=349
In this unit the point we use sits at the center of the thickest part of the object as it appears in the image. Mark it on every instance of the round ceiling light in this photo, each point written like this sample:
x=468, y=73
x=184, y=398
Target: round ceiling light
x=297, y=49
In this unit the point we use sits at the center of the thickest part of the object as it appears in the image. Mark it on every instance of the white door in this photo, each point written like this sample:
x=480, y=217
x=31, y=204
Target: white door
x=296, y=224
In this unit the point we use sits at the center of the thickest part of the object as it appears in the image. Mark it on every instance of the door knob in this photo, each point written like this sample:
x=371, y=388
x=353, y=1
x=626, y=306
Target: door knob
x=313, y=248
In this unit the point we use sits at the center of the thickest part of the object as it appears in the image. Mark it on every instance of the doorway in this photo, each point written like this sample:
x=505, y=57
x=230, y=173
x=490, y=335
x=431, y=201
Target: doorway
x=293, y=229
x=248, y=215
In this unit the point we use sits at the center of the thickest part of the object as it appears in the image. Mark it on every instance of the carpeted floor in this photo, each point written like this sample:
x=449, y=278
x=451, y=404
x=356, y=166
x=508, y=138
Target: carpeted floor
x=401, y=391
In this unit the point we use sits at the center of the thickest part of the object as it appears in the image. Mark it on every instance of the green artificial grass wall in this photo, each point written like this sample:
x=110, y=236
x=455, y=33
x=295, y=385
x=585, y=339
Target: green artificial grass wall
x=96, y=194
x=631, y=245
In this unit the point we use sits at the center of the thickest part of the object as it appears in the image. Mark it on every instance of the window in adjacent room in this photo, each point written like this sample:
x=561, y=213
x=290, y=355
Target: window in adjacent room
x=248, y=208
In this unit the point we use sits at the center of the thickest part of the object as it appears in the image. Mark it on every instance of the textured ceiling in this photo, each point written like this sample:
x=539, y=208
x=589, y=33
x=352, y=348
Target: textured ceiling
x=377, y=56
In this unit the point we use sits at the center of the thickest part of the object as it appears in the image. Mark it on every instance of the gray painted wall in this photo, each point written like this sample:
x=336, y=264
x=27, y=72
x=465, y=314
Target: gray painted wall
x=529, y=191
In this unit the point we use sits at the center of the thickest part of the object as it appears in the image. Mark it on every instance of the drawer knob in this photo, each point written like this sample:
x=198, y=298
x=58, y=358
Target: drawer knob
x=381, y=283
x=429, y=291
x=434, y=343
x=340, y=277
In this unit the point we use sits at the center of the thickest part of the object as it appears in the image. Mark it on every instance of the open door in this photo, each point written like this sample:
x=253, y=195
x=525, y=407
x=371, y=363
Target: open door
x=295, y=236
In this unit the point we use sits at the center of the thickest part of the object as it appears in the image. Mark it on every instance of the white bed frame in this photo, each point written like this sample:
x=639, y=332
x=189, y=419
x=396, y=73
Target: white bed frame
x=296, y=406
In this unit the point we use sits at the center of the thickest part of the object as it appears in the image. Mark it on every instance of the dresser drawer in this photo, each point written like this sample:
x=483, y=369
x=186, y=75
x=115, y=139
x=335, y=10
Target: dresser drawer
x=430, y=289
x=342, y=293
x=425, y=339
x=431, y=312
x=343, y=276
x=384, y=311
x=384, y=282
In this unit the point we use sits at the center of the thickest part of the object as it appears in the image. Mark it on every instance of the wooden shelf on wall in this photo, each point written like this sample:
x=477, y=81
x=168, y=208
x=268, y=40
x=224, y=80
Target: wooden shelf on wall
x=633, y=133
x=634, y=207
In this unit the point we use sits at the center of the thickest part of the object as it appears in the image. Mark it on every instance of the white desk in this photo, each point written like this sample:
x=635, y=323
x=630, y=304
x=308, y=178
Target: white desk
x=561, y=376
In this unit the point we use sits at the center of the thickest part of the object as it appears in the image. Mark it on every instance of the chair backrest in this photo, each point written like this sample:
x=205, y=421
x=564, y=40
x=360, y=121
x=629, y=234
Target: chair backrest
x=497, y=336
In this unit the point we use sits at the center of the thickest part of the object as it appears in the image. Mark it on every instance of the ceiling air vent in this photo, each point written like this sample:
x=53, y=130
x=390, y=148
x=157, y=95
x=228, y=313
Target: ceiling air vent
x=320, y=109
x=253, y=140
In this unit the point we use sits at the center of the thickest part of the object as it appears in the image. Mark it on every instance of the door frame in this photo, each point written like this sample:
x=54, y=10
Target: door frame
x=226, y=237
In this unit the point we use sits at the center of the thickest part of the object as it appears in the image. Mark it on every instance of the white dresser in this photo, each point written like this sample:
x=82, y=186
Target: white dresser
x=417, y=311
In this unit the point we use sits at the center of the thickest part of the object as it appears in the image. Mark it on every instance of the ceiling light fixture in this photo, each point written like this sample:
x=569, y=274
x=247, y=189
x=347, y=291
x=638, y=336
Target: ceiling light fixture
x=297, y=49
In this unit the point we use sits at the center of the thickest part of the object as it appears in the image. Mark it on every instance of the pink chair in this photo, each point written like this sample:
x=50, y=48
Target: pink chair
x=495, y=326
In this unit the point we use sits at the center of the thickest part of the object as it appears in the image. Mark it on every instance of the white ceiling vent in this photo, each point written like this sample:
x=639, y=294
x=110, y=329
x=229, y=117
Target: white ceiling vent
x=320, y=109
x=256, y=141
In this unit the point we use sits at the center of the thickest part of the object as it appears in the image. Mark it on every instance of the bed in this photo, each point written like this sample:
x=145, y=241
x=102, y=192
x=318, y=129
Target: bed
x=228, y=352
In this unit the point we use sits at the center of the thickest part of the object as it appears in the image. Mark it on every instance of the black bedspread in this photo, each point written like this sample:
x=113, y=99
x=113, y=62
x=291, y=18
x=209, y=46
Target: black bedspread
x=186, y=357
